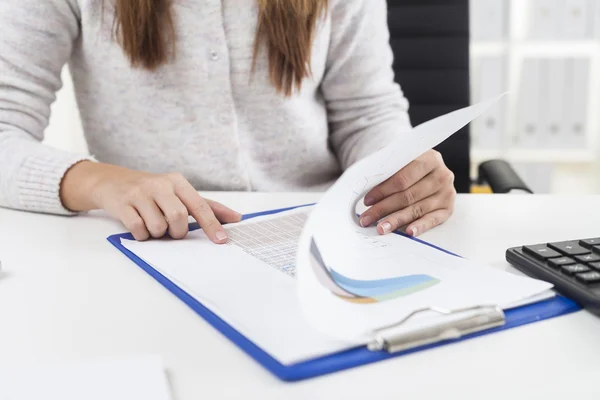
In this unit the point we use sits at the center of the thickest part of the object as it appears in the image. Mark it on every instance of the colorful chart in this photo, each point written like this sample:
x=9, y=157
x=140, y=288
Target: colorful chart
x=367, y=292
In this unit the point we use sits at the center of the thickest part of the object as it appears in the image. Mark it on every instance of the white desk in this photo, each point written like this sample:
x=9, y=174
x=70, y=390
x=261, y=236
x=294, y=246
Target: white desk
x=67, y=294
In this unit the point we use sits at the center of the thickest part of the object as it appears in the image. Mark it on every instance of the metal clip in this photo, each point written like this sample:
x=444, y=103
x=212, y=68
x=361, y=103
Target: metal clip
x=478, y=318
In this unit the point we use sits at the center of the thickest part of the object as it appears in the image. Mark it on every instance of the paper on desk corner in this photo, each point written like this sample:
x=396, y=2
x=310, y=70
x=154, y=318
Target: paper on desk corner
x=344, y=270
x=141, y=377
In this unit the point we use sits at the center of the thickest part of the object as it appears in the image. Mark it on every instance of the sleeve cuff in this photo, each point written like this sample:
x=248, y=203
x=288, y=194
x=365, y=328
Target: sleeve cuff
x=39, y=180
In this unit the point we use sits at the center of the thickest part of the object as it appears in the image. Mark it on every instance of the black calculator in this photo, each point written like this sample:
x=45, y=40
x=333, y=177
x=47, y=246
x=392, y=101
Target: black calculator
x=573, y=267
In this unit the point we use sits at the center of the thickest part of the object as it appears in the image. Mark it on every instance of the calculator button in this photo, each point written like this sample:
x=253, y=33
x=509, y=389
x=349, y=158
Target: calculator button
x=596, y=249
x=595, y=265
x=588, y=277
x=570, y=248
x=589, y=243
x=541, y=251
x=559, y=262
x=574, y=269
x=588, y=258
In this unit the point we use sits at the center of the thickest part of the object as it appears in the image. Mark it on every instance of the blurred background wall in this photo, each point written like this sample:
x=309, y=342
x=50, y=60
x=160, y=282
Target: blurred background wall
x=546, y=53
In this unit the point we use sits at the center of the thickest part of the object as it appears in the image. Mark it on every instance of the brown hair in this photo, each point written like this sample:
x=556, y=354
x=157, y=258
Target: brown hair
x=146, y=31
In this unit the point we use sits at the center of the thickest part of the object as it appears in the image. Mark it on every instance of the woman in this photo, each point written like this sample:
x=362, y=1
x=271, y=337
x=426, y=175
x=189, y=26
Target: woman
x=177, y=96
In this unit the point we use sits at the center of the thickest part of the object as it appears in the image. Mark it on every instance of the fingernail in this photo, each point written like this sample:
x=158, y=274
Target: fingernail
x=387, y=227
x=366, y=221
x=221, y=235
x=369, y=201
x=414, y=231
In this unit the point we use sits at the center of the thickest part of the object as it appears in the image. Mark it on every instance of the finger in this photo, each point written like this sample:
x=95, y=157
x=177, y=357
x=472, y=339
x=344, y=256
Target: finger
x=426, y=187
x=201, y=211
x=133, y=222
x=402, y=180
x=224, y=213
x=428, y=222
x=410, y=214
x=175, y=213
x=153, y=217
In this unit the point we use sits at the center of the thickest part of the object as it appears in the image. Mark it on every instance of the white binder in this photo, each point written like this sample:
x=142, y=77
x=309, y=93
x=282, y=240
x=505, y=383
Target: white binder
x=576, y=103
x=528, y=118
x=575, y=23
x=552, y=102
x=488, y=129
x=595, y=18
x=545, y=19
x=488, y=19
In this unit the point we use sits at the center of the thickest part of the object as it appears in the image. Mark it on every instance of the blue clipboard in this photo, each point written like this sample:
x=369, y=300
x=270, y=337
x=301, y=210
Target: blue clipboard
x=347, y=359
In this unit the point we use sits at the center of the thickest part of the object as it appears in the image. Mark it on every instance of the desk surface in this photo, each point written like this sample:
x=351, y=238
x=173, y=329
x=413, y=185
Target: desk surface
x=67, y=294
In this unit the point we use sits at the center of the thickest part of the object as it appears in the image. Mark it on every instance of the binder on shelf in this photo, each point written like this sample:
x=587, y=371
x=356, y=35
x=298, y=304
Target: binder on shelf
x=595, y=18
x=488, y=19
x=545, y=19
x=575, y=22
x=490, y=78
x=528, y=110
x=577, y=77
x=387, y=342
x=552, y=103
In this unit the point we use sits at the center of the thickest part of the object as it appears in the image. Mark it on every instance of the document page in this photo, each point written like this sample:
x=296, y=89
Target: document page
x=352, y=281
x=273, y=241
x=127, y=379
x=249, y=282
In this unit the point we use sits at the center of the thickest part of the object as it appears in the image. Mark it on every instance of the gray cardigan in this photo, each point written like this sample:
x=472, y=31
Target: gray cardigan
x=202, y=115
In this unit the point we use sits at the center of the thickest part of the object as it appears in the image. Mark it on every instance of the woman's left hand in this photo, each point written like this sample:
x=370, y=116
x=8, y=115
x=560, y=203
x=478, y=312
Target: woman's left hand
x=420, y=196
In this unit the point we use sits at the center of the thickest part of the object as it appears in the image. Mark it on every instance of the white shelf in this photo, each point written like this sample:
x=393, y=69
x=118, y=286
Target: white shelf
x=560, y=49
x=479, y=49
x=536, y=48
x=556, y=156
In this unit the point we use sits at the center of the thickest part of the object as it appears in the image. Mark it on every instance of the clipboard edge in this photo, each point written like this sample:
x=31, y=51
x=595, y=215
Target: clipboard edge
x=347, y=359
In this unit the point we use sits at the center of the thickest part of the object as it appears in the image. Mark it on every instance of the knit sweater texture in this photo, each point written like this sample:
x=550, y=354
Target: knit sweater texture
x=203, y=114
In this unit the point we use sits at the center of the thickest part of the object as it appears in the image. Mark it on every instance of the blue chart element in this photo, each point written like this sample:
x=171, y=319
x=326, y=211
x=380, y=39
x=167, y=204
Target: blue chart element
x=384, y=289
x=367, y=291
x=380, y=287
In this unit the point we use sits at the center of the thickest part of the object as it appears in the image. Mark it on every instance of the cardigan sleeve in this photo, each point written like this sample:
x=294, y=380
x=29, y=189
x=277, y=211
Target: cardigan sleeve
x=35, y=44
x=366, y=108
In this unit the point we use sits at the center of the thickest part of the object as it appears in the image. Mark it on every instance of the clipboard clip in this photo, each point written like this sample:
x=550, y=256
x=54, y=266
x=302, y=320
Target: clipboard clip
x=478, y=318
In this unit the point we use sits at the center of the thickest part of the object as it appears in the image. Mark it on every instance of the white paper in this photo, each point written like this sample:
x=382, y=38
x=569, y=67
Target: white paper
x=137, y=378
x=341, y=265
x=257, y=299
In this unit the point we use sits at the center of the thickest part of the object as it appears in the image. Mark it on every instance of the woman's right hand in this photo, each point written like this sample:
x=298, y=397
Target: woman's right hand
x=149, y=205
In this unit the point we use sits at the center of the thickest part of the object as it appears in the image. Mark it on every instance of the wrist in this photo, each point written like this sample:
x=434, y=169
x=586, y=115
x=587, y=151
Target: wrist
x=78, y=186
